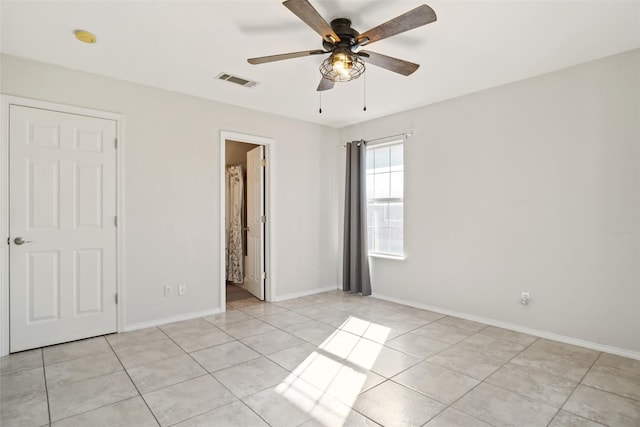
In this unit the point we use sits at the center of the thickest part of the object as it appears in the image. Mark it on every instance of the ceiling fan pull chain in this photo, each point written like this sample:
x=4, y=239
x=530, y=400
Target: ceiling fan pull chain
x=364, y=92
x=320, y=109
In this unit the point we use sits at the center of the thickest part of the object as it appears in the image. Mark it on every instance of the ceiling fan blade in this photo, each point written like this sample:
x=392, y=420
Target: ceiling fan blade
x=421, y=15
x=325, y=84
x=303, y=10
x=396, y=65
x=280, y=57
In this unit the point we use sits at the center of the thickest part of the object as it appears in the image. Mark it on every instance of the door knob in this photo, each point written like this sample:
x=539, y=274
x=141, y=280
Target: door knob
x=20, y=241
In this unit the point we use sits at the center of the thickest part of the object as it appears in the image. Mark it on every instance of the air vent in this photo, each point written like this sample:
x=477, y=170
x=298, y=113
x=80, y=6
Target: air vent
x=237, y=80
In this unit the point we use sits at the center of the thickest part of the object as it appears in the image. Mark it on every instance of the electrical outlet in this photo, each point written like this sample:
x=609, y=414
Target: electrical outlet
x=524, y=299
x=168, y=290
x=182, y=289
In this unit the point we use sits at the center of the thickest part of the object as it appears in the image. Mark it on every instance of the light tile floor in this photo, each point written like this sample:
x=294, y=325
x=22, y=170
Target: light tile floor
x=330, y=359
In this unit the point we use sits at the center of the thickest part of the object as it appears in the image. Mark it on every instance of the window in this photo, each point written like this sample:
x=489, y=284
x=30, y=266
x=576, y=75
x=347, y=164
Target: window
x=385, y=192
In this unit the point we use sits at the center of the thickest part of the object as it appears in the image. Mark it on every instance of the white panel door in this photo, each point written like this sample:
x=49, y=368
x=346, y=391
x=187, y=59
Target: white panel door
x=62, y=204
x=254, y=280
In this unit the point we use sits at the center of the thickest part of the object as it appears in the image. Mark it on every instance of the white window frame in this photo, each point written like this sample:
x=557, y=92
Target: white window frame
x=371, y=146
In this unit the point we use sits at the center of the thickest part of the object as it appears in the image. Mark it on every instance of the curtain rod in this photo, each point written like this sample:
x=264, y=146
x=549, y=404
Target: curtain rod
x=403, y=134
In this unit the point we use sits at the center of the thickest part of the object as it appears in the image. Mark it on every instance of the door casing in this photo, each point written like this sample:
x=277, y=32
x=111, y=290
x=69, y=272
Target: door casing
x=269, y=152
x=5, y=102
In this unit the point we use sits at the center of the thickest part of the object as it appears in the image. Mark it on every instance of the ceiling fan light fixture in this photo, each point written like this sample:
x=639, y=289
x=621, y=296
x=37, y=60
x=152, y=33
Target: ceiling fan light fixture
x=342, y=66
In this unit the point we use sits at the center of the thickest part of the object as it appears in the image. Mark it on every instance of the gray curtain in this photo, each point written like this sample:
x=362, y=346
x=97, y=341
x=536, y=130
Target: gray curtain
x=355, y=266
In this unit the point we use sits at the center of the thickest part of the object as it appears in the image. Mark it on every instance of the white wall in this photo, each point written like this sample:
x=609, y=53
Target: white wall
x=171, y=170
x=530, y=186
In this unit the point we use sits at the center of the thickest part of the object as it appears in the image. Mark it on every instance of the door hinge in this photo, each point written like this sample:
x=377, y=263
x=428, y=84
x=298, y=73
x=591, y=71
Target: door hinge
x=115, y=143
x=263, y=219
x=115, y=220
x=116, y=297
x=8, y=240
x=264, y=275
x=263, y=162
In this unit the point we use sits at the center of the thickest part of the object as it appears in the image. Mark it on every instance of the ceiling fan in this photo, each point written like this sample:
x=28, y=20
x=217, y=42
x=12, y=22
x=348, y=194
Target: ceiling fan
x=346, y=60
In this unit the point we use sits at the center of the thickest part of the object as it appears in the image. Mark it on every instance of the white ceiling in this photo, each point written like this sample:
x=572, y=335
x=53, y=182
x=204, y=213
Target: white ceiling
x=183, y=45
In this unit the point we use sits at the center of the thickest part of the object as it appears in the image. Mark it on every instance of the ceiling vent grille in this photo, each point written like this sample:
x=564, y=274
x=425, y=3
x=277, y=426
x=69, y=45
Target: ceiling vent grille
x=237, y=80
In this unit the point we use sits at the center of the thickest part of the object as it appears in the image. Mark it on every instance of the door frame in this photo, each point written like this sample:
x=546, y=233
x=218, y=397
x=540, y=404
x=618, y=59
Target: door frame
x=6, y=101
x=269, y=152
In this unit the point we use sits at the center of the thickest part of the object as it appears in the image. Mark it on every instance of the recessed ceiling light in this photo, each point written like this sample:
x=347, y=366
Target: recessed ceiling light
x=85, y=36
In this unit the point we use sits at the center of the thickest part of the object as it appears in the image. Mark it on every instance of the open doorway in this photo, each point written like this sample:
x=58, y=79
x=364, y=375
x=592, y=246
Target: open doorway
x=244, y=228
x=241, y=198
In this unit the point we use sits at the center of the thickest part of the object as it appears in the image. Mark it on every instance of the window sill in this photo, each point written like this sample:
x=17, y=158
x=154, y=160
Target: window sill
x=387, y=256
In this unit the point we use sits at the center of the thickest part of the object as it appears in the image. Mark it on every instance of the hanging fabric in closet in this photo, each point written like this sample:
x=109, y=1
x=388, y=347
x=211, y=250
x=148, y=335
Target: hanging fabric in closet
x=234, y=208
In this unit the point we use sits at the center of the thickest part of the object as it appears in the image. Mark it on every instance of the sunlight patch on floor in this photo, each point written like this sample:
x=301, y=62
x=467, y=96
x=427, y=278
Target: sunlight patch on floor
x=327, y=383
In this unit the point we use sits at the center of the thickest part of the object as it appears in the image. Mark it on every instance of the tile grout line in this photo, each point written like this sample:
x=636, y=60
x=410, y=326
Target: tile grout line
x=536, y=400
x=375, y=342
x=90, y=378
x=386, y=379
x=483, y=381
x=576, y=387
x=207, y=373
x=219, y=407
x=211, y=373
x=313, y=344
x=637, y=402
x=46, y=387
x=133, y=383
x=428, y=397
x=217, y=345
x=72, y=342
x=192, y=358
x=348, y=312
x=242, y=399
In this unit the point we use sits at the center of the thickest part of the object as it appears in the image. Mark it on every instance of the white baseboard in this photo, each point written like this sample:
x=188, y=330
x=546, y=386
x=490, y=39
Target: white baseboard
x=171, y=319
x=513, y=327
x=304, y=293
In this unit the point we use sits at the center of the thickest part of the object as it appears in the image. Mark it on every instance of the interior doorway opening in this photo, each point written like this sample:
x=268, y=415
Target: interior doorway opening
x=245, y=219
x=236, y=220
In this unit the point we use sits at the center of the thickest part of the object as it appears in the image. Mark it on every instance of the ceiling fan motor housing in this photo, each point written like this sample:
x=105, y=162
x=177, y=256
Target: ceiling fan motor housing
x=348, y=36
